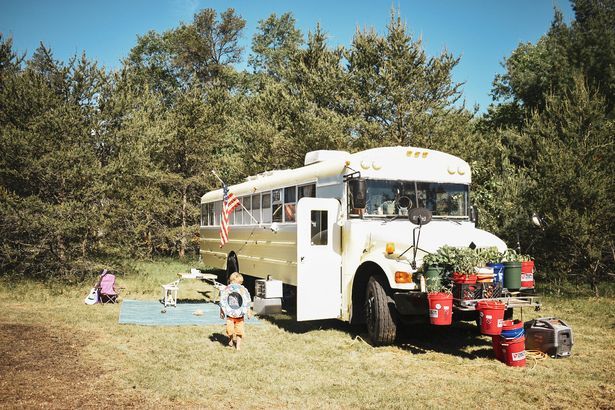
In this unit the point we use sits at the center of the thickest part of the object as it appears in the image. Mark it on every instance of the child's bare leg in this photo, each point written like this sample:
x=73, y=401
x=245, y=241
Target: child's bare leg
x=238, y=343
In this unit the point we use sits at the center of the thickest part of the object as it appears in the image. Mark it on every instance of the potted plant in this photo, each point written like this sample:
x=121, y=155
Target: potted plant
x=493, y=259
x=464, y=267
x=439, y=297
x=512, y=269
x=440, y=301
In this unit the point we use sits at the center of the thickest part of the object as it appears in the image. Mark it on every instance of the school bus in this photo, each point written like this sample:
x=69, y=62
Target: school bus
x=323, y=230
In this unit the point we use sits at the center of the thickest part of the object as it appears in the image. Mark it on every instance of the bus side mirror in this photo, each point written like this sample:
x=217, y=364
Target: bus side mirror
x=358, y=190
x=474, y=215
x=419, y=216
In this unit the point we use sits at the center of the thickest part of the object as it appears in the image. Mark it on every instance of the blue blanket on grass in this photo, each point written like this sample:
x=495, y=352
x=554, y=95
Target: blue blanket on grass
x=146, y=312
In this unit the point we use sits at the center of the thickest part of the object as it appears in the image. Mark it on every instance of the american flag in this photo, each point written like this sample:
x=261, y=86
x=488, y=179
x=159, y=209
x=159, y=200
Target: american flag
x=229, y=202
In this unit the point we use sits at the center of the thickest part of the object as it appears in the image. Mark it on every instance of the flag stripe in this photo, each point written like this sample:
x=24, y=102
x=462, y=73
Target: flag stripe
x=229, y=203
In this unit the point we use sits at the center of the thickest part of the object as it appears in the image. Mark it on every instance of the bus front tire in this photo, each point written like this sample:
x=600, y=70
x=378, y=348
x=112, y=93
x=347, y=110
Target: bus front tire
x=381, y=323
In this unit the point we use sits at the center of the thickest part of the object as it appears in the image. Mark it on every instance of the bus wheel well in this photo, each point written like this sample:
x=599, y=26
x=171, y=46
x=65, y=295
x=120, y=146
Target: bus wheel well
x=359, y=287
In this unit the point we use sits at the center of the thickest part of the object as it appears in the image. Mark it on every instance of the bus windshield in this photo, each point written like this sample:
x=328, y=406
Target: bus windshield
x=394, y=198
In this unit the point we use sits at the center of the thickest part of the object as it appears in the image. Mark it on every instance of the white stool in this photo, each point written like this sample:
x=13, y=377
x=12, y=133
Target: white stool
x=169, y=295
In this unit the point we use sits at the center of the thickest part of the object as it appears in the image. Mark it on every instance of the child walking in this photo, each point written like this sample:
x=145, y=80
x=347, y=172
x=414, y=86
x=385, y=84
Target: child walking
x=234, y=306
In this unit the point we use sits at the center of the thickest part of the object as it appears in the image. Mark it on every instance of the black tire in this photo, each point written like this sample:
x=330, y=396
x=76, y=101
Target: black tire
x=232, y=265
x=380, y=318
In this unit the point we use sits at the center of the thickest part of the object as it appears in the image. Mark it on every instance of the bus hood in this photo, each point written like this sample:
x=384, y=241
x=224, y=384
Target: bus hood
x=437, y=234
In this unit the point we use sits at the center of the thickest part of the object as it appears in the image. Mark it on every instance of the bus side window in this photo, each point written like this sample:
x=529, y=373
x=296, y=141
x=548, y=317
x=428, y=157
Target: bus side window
x=266, y=207
x=276, y=206
x=256, y=207
x=290, y=195
x=217, y=212
x=308, y=191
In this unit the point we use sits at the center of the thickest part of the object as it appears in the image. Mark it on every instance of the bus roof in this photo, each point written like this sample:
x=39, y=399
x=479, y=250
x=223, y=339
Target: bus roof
x=393, y=163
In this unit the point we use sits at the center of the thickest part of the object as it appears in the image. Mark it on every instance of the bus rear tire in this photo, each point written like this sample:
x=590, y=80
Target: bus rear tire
x=380, y=318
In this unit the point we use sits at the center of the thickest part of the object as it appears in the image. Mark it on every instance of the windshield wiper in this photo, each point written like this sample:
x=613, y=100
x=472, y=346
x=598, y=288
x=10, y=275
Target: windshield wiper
x=389, y=220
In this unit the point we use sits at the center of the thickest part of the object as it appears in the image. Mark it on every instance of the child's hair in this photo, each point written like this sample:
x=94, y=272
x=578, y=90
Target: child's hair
x=235, y=277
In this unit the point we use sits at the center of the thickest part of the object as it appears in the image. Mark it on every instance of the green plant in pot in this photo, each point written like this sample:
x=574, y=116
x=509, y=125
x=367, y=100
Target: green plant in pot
x=464, y=267
x=493, y=259
x=438, y=264
x=490, y=255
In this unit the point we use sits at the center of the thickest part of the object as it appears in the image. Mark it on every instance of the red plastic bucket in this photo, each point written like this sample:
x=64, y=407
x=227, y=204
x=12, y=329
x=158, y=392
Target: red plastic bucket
x=512, y=324
x=527, y=274
x=491, y=314
x=440, y=308
x=513, y=352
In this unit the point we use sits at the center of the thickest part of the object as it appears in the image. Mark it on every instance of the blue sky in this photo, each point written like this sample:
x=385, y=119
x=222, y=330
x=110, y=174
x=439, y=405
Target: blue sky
x=481, y=32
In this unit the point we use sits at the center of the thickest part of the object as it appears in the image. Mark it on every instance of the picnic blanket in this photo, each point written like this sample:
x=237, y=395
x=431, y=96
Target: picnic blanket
x=149, y=313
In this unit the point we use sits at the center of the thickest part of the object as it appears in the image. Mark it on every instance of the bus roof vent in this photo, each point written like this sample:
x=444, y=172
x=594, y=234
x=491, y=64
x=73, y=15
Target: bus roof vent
x=313, y=157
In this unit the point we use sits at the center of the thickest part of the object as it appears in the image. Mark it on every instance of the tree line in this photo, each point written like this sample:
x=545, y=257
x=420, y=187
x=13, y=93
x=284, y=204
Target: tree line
x=100, y=164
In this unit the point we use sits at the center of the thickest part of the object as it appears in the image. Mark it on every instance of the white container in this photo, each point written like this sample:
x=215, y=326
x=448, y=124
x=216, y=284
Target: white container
x=264, y=306
x=268, y=289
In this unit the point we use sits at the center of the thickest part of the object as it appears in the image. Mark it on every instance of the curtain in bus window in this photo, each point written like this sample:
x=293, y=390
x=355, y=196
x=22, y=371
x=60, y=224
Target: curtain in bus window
x=290, y=196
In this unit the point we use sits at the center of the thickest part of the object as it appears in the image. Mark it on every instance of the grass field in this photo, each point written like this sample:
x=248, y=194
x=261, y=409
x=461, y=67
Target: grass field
x=57, y=352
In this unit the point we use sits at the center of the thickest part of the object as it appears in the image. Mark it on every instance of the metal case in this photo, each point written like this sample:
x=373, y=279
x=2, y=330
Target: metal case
x=549, y=335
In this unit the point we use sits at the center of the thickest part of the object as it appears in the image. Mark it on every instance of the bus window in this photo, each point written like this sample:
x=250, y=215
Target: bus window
x=308, y=191
x=217, y=212
x=256, y=207
x=235, y=217
x=318, y=229
x=247, y=204
x=266, y=207
x=290, y=198
x=210, y=212
x=203, y=214
x=276, y=206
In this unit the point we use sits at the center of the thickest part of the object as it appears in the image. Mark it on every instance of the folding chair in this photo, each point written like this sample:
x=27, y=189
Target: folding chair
x=108, y=292
x=169, y=293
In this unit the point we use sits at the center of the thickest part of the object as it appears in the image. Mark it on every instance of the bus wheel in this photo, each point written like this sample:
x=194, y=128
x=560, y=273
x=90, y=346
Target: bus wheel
x=232, y=265
x=381, y=326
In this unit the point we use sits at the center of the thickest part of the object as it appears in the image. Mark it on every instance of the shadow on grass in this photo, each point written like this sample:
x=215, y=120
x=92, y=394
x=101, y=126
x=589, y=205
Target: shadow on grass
x=460, y=339
x=220, y=338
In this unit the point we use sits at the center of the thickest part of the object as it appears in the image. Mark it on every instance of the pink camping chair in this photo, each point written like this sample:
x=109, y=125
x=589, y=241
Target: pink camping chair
x=107, y=291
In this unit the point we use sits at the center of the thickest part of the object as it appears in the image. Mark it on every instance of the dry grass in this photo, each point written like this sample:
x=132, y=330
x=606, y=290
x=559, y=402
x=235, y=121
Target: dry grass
x=322, y=364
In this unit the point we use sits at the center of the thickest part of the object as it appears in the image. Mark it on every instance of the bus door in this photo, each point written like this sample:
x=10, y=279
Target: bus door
x=319, y=260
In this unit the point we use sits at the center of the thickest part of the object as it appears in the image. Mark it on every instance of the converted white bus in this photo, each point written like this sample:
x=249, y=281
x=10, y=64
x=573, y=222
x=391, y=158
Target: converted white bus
x=307, y=233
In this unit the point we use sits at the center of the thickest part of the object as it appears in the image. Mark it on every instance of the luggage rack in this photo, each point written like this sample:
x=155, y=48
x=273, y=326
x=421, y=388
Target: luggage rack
x=512, y=300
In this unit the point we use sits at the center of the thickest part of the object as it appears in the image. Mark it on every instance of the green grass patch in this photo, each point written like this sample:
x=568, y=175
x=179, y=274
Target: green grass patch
x=322, y=364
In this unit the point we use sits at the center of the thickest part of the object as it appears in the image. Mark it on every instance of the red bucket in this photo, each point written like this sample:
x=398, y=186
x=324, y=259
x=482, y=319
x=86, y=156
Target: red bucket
x=512, y=324
x=513, y=352
x=527, y=274
x=440, y=308
x=491, y=314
